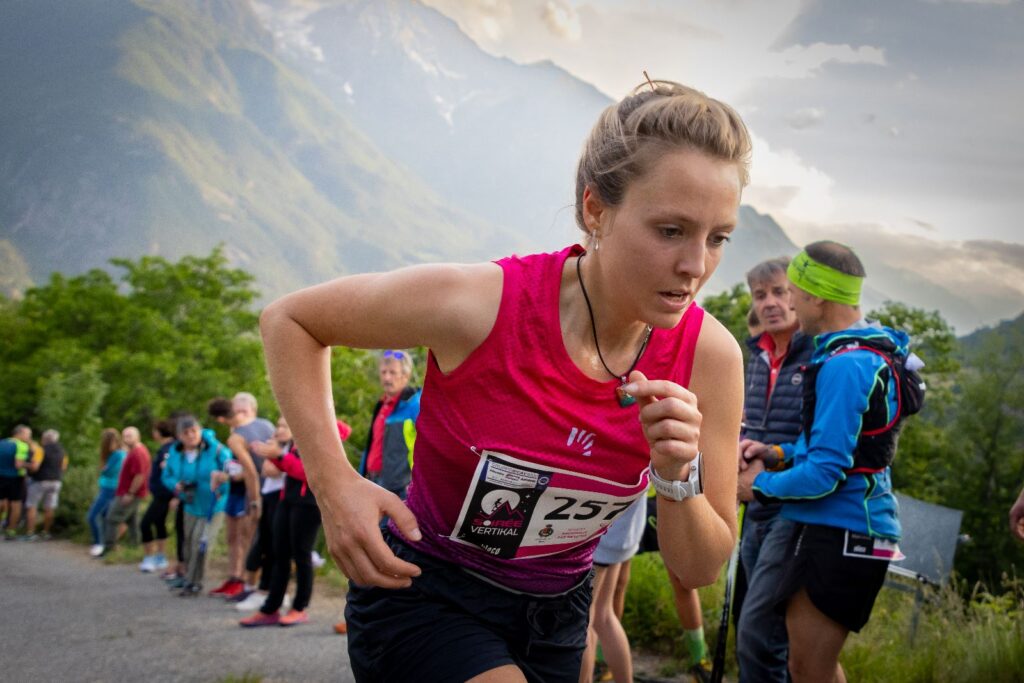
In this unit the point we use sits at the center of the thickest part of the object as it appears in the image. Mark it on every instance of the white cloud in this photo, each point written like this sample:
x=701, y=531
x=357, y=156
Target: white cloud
x=808, y=117
x=801, y=61
x=721, y=48
x=562, y=20
x=784, y=185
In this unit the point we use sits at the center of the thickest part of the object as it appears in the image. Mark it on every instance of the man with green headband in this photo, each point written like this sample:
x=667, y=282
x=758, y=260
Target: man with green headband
x=836, y=488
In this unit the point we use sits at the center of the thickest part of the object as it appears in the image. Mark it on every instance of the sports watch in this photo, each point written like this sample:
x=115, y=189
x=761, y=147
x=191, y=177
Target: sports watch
x=681, y=490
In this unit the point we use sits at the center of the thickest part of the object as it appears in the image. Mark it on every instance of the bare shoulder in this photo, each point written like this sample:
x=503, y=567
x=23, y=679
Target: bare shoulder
x=718, y=362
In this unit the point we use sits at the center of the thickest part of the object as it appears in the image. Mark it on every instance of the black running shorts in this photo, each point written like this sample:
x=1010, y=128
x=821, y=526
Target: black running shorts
x=12, y=488
x=451, y=626
x=843, y=588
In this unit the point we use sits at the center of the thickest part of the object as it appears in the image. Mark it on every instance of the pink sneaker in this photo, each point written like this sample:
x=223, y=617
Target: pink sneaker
x=294, y=617
x=260, y=619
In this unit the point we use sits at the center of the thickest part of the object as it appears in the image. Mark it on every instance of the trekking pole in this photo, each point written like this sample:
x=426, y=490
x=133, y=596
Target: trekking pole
x=718, y=664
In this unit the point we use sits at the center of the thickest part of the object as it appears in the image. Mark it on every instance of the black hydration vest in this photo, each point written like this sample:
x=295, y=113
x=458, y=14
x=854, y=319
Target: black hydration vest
x=876, y=444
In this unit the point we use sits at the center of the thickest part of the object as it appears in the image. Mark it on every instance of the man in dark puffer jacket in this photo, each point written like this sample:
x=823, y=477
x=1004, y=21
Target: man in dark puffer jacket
x=771, y=414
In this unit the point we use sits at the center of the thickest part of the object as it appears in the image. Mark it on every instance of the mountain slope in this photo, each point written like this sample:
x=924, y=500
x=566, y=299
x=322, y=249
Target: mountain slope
x=151, y=127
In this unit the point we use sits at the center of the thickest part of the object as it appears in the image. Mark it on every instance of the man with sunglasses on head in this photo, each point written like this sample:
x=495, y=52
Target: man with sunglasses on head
x=387, y=460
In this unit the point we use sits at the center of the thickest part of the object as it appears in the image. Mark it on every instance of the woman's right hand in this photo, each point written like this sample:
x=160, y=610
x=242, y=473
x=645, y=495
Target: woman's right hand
x=352, y=514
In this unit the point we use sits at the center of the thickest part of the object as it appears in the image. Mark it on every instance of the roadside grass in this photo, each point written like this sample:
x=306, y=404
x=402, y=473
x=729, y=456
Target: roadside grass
x=979, y=637
x=247, y=677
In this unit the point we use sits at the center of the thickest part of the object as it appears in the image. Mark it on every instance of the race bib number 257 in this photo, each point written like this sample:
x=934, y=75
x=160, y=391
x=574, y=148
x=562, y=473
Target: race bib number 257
x=515, y=509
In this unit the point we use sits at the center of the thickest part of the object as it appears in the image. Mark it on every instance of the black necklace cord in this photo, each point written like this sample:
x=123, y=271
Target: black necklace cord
x=593, y=328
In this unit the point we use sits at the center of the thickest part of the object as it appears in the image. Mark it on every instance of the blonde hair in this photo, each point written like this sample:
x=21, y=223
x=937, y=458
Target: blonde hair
x=658, y=117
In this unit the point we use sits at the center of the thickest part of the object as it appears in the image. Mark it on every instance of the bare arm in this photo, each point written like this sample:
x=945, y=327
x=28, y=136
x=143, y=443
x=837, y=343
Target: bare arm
x=697, y=535
x=449, y=308
x=240, y=450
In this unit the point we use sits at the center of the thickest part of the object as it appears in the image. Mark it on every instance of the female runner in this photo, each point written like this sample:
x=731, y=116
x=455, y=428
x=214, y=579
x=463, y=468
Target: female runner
x=556, y=385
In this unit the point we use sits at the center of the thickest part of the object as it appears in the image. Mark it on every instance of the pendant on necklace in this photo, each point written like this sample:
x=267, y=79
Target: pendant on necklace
x=625, y=399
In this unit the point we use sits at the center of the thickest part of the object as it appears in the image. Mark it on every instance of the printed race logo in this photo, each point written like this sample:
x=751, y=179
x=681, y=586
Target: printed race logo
x=583, y=439
x=498, y=515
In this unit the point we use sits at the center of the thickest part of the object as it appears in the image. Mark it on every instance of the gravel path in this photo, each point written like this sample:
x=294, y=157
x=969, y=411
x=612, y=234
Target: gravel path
x=67, y=617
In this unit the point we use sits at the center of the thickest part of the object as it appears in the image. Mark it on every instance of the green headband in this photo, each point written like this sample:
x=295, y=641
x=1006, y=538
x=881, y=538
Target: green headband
x=823, y=281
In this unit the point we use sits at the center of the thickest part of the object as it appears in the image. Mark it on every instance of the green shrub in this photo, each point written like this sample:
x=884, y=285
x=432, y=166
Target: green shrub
x=76, y=495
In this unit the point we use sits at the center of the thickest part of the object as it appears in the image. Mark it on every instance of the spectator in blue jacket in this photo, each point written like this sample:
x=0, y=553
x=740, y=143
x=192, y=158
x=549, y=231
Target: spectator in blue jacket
x=14, y=455
x=112, y=456
x=836, y=493
x=195, y=471
x=387, y=460
x=771, y=414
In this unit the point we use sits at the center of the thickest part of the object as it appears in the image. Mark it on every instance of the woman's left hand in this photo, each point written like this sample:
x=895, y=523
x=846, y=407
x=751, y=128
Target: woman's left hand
x=671, y=423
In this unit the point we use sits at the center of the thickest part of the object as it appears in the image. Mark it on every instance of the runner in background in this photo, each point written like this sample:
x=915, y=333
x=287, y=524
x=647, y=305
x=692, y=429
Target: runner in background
x=555, y=384
x=771, y=414
x=839, y=518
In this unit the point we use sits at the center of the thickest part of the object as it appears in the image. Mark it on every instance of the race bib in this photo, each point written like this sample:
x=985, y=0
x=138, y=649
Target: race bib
x=515, y=509
x=870, y=548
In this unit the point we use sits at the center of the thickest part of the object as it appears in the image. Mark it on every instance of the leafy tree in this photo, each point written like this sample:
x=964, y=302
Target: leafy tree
x=165, y=336
x=983, y=469
x=70, y=403
x=731, y=308
x=925, y=438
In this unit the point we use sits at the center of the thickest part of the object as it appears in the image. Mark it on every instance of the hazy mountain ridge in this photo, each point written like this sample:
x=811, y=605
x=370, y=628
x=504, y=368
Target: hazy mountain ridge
x=314, y=138
x=153, y=128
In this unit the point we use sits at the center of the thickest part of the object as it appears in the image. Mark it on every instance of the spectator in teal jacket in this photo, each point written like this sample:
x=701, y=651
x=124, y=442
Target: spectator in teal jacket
x=195, y=471
x=111, y=458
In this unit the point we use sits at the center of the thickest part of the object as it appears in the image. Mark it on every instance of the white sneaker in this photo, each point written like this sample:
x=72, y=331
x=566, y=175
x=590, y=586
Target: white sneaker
x=318, y=561
x=253, y=602
x=160, y=562
x=148, y=564
x=96, y=550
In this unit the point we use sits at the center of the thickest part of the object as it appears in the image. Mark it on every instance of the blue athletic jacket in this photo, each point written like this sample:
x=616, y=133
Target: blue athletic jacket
x=213, y=455
x=816, y=488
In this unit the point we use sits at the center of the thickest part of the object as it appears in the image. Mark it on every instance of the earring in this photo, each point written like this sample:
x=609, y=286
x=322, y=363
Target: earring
x=596, y=240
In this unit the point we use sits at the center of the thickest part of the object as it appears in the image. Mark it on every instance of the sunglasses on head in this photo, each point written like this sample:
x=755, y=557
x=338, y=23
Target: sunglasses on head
x=397, y=355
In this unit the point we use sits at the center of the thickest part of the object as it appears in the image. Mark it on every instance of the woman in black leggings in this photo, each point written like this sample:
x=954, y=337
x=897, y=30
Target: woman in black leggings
x=154, y=521
x=296, y=524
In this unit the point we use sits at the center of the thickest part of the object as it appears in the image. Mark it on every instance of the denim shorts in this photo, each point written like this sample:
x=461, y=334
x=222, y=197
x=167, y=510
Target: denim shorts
x=451, y=625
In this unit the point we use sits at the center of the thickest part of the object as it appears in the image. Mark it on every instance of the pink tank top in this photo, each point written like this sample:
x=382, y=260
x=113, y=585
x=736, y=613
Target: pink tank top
x=521, y=460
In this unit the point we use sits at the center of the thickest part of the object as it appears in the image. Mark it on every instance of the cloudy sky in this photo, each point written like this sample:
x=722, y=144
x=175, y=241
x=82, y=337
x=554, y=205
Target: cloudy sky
x=894, y=125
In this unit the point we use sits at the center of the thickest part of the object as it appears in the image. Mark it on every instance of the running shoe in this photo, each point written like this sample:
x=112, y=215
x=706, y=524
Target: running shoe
x=228, y=587
x=239, y=596
x=254, y=601
x=341, y=628
x=260, y=619
x=294, y=617
x=96, y=550
x=233, y=590
x=148, y=564
x=701, y=671
x=160, y=562
x=191, y=590
x=177, y=582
